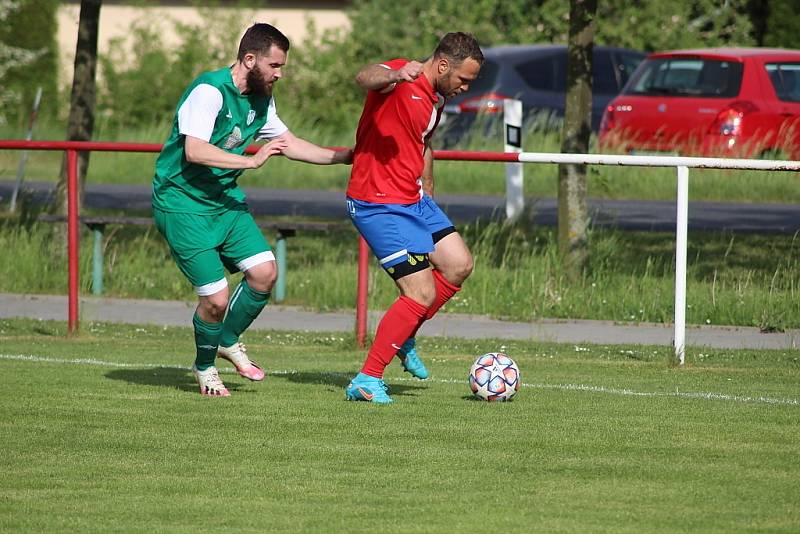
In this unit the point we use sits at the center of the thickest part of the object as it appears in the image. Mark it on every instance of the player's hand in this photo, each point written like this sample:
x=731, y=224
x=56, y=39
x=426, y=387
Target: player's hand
x=344, y=156
x=409, y=72
x=276, y=146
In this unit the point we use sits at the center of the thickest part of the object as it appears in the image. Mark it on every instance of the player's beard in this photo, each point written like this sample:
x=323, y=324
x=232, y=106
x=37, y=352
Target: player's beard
x=256, y=83
x=442, y=83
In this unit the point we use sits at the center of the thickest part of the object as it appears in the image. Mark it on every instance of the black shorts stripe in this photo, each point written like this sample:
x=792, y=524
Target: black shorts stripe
x=438, y=236
x=414, y=263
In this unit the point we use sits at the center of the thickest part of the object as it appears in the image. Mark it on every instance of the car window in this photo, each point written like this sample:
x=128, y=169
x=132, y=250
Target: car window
x=604, y=79
x=548, y=73
x=626, y=65
x=785, y=79
x=688, y=77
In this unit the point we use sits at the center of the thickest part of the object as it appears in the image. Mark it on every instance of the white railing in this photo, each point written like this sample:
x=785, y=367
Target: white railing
x=683, y=164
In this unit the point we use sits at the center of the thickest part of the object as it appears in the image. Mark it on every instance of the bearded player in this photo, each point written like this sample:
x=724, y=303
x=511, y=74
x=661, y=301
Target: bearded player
x=200, y=210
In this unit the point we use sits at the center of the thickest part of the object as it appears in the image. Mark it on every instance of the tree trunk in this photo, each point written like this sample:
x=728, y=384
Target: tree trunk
x=759, y=16
x=81, y=111
x=572, y=212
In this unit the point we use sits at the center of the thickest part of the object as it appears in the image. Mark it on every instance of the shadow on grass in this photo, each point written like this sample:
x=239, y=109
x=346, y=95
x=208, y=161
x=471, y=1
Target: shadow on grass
x=340, y=380
x=473, y=398
x=161, y=376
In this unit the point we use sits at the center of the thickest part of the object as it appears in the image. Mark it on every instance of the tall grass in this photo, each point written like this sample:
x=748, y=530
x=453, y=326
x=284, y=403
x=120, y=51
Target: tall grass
x=451, y=177
x=732, y=279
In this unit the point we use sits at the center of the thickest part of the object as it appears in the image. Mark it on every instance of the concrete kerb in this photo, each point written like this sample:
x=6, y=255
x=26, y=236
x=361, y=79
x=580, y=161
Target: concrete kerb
x=179, y=313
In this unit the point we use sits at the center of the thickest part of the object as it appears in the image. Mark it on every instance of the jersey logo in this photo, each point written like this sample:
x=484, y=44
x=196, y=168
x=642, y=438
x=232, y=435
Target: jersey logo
x=234, y=139
x=229, y=116
x=251, y=116
x=415, y=97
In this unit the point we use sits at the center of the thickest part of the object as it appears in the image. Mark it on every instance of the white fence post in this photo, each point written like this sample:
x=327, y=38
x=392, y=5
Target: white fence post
x=512, y=121
x=23, y=159
x=681, y=232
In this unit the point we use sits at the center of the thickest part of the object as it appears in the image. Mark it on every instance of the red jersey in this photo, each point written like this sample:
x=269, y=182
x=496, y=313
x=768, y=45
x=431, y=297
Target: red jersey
x=390, y=141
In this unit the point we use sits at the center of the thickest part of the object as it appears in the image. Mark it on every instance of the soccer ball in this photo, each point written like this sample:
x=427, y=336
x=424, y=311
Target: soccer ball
x=494, y=377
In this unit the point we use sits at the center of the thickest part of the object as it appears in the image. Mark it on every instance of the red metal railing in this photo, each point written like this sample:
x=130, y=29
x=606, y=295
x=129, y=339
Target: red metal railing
x=72, y=240
x=362, y=292
x=73, y=235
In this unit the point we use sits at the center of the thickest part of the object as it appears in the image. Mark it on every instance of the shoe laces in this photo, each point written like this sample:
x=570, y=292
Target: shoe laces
x=377, y=384
x=238, y=353
x=409, y=346
x=211, y=379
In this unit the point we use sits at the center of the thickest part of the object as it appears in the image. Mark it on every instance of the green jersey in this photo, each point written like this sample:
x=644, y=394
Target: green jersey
x=211, y=109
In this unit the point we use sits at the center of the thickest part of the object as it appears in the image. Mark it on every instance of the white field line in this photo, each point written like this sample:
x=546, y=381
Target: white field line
x=700, y=395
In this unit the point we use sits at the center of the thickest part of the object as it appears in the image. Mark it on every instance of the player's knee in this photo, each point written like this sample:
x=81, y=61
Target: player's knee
x=262, y=277
x=214, y=306
x=459, y=271
x=465, y=268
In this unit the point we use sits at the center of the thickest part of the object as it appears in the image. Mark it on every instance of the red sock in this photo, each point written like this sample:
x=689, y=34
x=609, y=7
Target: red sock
x=444, y=292
x=396, y=326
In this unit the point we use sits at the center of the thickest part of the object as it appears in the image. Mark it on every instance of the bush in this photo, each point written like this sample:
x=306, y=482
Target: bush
x=142, y=86
x=28, y=58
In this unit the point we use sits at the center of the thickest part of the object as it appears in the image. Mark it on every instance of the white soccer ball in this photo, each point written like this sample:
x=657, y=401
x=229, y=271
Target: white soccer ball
x=494, y=377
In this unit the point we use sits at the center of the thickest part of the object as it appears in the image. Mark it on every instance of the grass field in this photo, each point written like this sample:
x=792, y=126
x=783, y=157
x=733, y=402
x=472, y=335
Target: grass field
x=107, y=432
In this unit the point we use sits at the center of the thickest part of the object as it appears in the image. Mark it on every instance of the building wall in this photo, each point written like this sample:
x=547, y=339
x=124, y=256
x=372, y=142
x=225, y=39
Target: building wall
x=291, y=17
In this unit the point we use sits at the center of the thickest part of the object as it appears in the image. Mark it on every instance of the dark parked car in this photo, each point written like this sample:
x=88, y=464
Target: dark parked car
x=536, y=75
x=731, y=102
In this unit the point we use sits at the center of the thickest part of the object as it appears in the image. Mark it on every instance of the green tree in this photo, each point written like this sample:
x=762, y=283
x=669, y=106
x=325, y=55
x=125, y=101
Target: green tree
x=143, y=78
x=383, y=26
x=646, y=25
x=783, y=17
x=27, y=57
x=758, y=11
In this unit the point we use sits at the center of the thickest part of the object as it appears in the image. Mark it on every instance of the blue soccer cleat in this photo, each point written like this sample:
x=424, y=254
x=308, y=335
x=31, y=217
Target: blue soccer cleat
x=411, y=361
x=368, y=388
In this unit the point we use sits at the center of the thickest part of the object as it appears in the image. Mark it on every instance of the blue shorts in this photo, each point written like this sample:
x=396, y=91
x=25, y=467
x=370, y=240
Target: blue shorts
x=393, y=231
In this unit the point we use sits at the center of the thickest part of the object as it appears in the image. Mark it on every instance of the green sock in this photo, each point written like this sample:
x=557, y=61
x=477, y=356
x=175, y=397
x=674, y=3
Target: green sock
x=243, y=307
x=206, y=339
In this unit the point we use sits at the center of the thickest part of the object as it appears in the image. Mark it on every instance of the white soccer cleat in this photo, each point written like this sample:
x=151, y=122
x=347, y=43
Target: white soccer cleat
x=210, y=383
x=237, y=355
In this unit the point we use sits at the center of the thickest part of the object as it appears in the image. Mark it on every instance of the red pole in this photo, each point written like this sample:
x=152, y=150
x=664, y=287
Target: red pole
x=361, y=298
x=72, y=239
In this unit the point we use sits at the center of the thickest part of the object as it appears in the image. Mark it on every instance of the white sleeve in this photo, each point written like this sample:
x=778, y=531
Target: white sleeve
x=198, y=113
x=274, y=125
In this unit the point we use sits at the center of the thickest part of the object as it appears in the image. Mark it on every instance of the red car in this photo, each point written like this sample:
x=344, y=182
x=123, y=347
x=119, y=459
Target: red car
x=726, y=102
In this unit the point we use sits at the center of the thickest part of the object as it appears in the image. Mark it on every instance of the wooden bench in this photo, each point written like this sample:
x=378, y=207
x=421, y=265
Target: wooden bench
x=283, y=230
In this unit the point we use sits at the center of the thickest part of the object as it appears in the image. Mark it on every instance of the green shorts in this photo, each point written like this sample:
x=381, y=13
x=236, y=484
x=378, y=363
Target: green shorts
x=204, y=246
